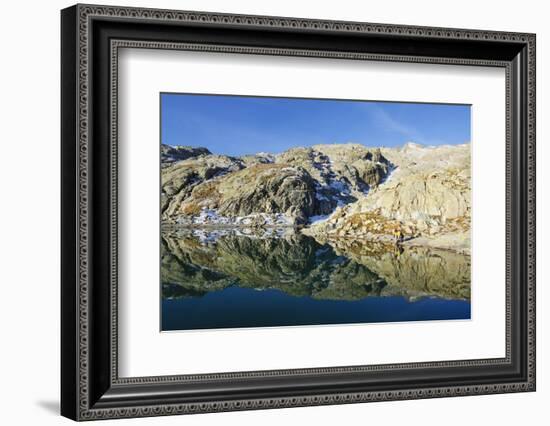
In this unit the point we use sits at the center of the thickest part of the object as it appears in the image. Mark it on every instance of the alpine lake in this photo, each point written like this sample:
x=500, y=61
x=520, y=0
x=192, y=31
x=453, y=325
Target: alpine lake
x=219, y=278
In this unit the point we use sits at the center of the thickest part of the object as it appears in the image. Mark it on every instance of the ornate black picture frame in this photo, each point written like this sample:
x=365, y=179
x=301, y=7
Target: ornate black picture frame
x=91, y=36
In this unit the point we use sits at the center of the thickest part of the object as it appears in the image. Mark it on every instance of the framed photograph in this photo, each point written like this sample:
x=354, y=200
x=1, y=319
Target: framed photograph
x=263, y=212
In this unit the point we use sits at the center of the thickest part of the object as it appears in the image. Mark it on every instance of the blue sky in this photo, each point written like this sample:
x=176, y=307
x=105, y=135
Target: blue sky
x=237, y=125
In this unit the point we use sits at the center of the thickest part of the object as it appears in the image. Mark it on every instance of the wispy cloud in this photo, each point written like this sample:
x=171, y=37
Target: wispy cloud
x=385, y=120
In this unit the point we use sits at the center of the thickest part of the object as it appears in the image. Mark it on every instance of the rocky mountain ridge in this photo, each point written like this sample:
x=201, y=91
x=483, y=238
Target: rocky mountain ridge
x=171, y=154
x=339, y=191
x=291, y=188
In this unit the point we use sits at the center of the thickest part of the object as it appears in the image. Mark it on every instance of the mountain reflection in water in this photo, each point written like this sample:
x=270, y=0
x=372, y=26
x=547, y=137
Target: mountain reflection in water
x=227, y=278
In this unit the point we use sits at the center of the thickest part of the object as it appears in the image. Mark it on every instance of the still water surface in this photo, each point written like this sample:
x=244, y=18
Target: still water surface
x=227, y=279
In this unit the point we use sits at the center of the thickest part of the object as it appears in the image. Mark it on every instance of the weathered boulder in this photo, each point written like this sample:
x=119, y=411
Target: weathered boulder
x=262, y=188
x=179, y=179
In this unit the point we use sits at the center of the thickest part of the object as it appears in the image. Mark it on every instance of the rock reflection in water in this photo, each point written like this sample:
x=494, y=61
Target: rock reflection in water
x=195, y=262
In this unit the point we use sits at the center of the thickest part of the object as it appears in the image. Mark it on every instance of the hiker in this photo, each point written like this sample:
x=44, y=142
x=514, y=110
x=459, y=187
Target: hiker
x=397, y=236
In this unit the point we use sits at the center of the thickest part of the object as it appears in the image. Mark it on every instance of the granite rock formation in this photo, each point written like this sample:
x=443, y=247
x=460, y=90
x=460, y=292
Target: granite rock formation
x=339, y=191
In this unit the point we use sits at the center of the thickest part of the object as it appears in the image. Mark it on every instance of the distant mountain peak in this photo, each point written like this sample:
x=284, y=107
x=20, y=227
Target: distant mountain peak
x=173, y=153
x=412, y=145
